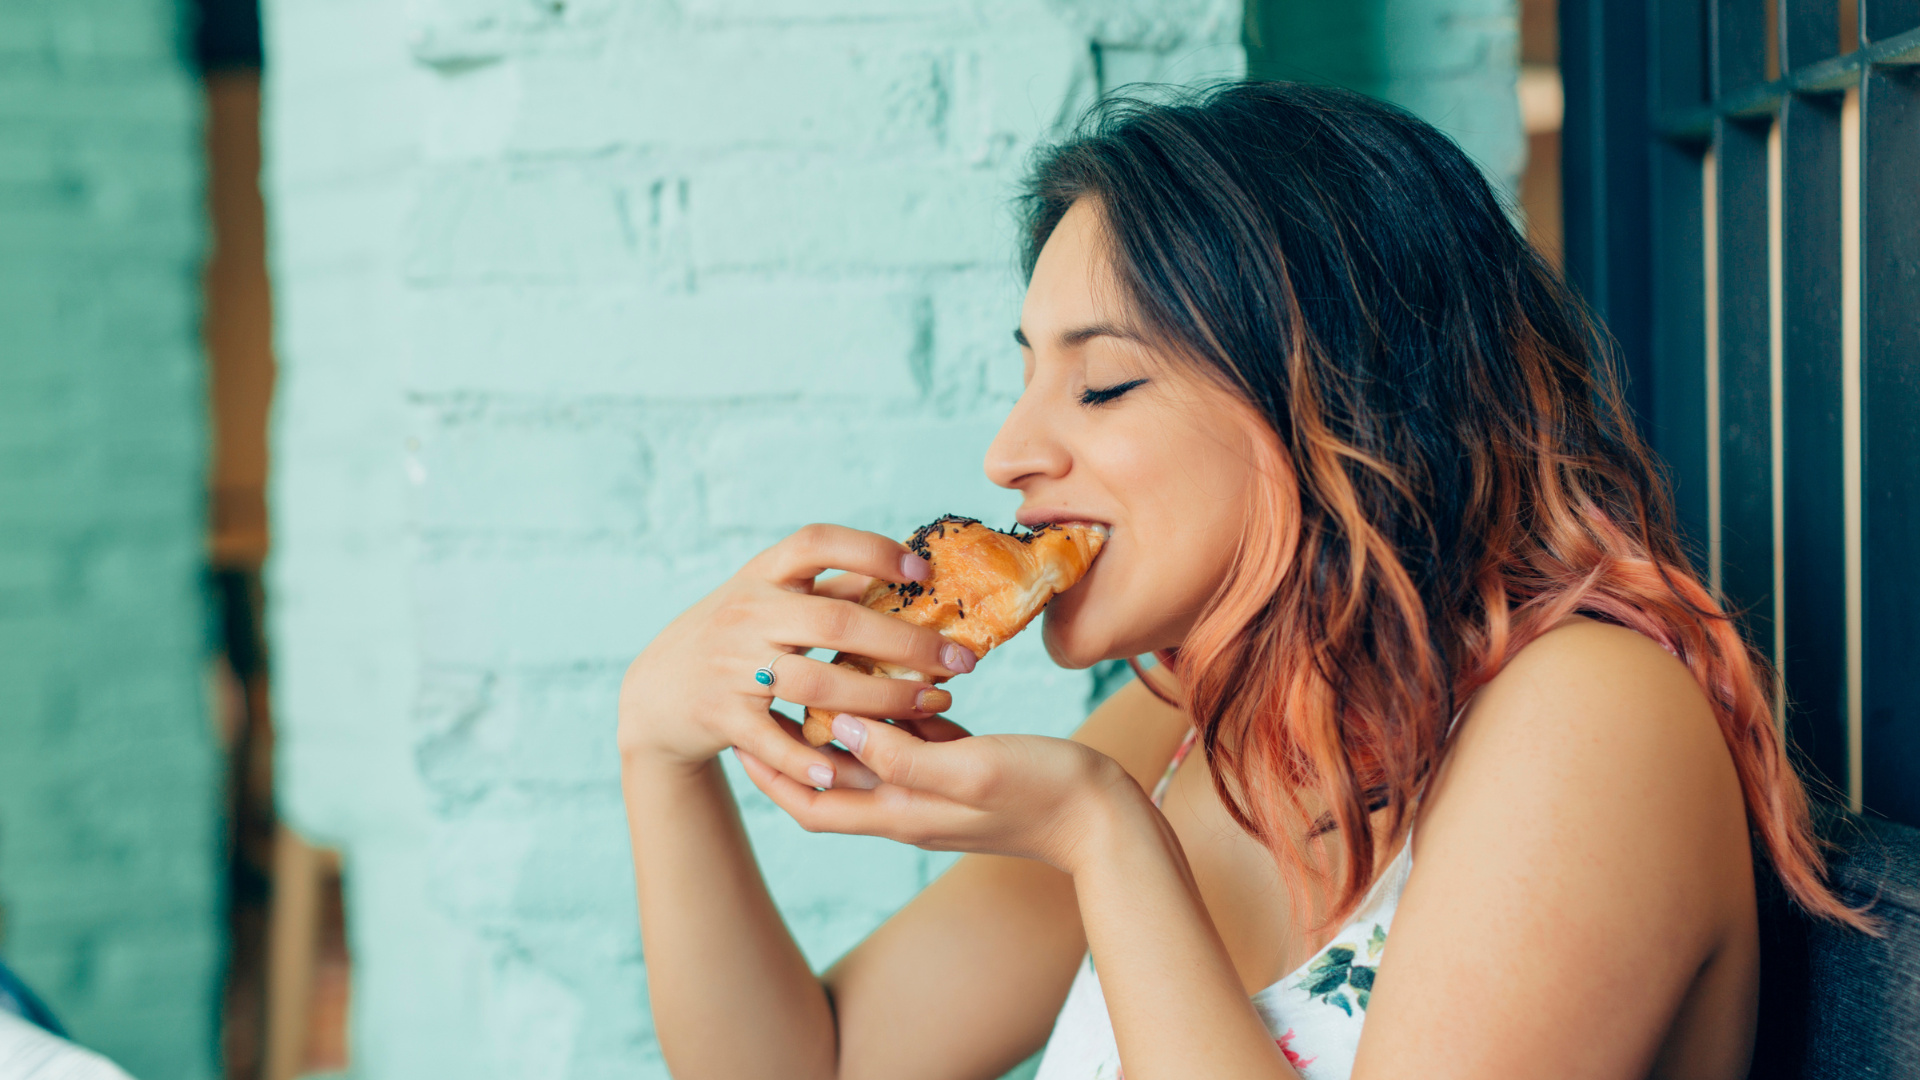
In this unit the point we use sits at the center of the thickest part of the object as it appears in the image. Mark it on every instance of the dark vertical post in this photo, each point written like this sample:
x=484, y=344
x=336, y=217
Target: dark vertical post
x=1738, y=59
x=1746, y=400
x=1739, y=39
x=1605, y=140
x=1815, y=659
x=1890, y=435
x=1808, y=32
x=1887, y=18
x=1677, y=66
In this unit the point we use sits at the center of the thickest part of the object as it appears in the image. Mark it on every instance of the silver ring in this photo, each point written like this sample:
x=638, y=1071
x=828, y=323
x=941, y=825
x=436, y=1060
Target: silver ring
x=764, y=675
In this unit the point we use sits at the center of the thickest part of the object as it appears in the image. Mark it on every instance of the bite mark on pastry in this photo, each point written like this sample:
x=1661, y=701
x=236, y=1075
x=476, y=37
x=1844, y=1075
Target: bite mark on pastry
x=986, y=586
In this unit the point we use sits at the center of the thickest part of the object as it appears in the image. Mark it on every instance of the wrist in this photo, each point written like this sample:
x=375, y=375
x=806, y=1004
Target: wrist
x=644, y=762
x=1114, y=817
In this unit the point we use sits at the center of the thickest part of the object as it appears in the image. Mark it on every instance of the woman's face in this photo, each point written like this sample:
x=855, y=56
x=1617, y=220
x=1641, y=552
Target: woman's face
x=1113, y=430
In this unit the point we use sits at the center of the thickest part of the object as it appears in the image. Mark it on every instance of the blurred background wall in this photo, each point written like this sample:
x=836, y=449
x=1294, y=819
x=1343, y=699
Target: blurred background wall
x=581, y=304
x=1453, y=63
x=577, y=304
x=110, y=780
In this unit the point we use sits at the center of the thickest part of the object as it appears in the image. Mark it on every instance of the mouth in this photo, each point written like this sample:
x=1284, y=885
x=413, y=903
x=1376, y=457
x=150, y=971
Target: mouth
x=1034, y=519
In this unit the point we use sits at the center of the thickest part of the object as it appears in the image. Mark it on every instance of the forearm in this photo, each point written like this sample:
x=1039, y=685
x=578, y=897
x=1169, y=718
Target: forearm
x=731, y=994
x=1176, y=1002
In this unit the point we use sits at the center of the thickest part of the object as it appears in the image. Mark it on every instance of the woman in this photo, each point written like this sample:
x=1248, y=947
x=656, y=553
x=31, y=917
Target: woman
x=1482, y=762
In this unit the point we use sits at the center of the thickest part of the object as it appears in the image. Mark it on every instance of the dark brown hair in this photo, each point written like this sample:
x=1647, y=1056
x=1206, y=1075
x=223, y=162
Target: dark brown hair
x=1450, y=469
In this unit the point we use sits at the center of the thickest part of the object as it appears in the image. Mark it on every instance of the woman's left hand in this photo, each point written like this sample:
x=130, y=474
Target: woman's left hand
x=1020, y=795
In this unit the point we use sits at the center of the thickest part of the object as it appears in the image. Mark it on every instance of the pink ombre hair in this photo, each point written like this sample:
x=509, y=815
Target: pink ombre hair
x=1449, y=468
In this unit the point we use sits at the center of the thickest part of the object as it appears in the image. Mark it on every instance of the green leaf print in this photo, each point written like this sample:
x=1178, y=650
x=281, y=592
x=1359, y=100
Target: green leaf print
x=1333, y=972
x=1328, y=972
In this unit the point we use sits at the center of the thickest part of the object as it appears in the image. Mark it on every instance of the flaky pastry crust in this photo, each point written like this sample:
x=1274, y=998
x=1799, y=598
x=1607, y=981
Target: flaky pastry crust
x=986, y=587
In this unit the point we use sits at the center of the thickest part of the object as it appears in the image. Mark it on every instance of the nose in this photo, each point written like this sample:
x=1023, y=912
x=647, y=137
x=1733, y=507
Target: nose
x=1026, y=448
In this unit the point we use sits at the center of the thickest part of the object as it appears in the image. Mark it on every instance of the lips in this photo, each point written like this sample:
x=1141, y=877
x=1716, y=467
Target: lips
x=1033, y=519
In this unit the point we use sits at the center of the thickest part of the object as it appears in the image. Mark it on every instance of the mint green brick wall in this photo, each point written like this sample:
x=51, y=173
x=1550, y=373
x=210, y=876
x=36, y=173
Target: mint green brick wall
x=109, y=778
x=1453, y=63
x=580, y=305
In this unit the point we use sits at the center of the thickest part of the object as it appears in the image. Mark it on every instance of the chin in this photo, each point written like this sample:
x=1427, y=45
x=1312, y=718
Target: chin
x=1075, y=637
x=1061, y=645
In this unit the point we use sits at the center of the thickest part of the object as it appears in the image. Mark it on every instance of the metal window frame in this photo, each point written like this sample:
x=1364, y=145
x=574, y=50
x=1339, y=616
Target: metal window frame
x=1753, y=245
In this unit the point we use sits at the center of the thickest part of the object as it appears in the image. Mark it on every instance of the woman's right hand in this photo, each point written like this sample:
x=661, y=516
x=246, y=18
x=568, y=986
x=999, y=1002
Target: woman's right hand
x=691, y=693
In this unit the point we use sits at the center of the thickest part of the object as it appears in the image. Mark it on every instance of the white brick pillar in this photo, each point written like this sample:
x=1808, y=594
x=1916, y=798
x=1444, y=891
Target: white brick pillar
x=581, y=304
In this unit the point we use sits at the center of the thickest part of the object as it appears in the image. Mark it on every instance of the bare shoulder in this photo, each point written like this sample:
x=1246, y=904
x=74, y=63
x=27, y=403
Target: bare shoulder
x=1581, y=852
x=1136, y=729
x=1599, y=701
x=1596, y=740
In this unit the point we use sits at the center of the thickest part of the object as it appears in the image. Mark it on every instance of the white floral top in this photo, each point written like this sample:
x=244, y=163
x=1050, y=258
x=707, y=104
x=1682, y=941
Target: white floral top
x=1315, y=1013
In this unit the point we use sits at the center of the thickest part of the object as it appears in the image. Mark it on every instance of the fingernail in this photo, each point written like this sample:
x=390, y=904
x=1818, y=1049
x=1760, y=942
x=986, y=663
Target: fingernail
x=932, y=700
x=958, y=659
x=915, y=568
x=821, y=776
x=851, y=732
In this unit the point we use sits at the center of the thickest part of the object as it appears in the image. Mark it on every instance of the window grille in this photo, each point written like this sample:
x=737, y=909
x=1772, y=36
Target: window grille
x=1743, y=209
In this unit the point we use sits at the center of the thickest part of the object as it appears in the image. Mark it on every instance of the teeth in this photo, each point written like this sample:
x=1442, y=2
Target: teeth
x=1103, y=531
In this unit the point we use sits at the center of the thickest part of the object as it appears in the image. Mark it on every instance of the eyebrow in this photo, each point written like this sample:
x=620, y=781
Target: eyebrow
x=1080, y=335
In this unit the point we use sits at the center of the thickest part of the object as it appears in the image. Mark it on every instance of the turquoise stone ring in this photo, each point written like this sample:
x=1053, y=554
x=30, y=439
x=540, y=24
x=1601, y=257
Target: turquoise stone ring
x=764, y=676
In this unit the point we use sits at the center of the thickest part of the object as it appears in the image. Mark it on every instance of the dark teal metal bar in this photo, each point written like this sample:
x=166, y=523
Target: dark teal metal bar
x=1825, y=77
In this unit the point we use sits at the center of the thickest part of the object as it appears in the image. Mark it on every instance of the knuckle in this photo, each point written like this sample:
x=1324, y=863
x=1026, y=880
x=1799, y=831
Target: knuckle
x=734, y=611
x=808, y=683
x=976, y=785
x=907, y=639
x=832, y=620
x=897, y=767
x=905, y=695
x=811, y=538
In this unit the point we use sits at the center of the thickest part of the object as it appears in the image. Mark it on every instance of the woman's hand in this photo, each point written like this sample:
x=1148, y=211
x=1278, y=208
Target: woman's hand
x=692, y=692
x=1019, y=795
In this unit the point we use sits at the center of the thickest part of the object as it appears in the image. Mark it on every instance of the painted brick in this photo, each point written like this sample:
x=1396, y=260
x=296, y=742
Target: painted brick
x=800, y=215
x=885, y=99
x=580, y=307
x=736, y=337
x=789, y=12
x=549, y=224
x=491, y=474
x=109, y=794
x=905, y=472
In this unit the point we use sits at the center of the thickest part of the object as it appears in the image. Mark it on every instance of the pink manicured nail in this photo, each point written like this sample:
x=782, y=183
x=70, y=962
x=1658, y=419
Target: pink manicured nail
x=821, y=776
x=932, y=700
x=915, y=568
x=850, y=731
x=958, y=659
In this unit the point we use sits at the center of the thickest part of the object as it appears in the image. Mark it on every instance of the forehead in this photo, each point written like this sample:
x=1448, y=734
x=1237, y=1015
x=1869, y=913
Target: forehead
x=1073, y=280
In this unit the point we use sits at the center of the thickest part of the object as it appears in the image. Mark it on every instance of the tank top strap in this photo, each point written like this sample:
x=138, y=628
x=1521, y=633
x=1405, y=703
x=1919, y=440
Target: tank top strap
x=1173, y=766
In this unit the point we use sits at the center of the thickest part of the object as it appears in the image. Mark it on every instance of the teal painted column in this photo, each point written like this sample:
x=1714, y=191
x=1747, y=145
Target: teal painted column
x=580, y=306
x=1453, y=63
x=110, y=868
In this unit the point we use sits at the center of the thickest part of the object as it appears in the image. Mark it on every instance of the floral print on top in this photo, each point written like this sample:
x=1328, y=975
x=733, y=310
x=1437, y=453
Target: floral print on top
x=1315, y=1013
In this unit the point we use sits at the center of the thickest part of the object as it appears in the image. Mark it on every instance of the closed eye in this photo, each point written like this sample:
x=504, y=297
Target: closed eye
x=1102, y=395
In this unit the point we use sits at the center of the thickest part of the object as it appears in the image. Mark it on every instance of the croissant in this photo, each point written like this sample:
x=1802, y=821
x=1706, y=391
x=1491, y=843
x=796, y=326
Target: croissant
x=986, y=587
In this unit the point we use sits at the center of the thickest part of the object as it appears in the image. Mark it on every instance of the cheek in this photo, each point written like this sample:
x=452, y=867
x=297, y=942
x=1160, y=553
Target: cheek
x=1185, y=497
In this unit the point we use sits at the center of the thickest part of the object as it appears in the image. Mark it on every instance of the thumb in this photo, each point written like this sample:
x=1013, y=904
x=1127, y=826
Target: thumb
x=895, y=756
